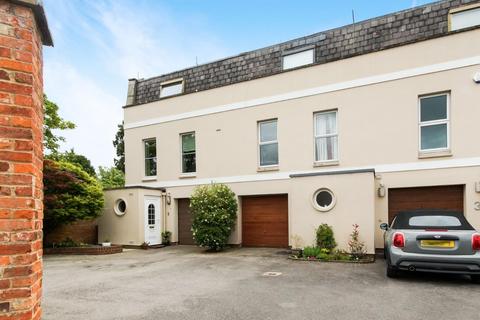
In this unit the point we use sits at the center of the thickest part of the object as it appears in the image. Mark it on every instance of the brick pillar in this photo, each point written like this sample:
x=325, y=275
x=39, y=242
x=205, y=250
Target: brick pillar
x=23, y=30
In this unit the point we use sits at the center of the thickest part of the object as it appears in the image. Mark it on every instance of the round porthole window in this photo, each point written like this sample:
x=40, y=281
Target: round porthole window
x=120, y=207
x=324, y=199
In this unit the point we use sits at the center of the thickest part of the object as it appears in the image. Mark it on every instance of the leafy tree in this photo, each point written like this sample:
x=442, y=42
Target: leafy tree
x=52, y=121
x=77, y=159
x=111, y=177
x=119, y=145
x=70, y=194
x=214, y=209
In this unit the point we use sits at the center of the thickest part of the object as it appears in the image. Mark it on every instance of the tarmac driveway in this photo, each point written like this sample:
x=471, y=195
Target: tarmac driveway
x=187, y=283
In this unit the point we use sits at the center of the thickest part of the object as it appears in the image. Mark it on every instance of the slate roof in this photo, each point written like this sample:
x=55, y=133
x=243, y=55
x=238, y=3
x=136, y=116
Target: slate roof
x=392, y=30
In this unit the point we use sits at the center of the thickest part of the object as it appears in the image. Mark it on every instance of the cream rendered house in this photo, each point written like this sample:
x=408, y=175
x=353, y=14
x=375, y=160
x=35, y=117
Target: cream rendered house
x=349, y=125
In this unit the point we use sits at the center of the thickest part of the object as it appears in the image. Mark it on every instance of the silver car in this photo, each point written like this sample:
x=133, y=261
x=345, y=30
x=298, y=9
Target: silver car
x=432, y=241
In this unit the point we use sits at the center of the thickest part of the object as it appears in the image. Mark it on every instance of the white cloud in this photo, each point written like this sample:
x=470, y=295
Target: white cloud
x=95, y=112
x=99, y=45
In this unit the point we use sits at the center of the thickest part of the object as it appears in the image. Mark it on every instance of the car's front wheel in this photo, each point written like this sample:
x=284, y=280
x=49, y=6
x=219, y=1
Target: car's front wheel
x=475, y=278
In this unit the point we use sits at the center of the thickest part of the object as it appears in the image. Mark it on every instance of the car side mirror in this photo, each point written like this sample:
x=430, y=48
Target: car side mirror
x=384, y=226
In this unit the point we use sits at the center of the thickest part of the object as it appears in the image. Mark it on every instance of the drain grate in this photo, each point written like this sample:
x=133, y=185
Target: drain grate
x=272, y=274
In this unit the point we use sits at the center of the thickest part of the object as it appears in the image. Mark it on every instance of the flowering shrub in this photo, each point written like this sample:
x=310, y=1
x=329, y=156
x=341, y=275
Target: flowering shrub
x=357, y=247
x=214, y=210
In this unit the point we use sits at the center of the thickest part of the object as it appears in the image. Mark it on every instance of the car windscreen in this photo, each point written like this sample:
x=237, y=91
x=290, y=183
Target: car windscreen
x=431, y=219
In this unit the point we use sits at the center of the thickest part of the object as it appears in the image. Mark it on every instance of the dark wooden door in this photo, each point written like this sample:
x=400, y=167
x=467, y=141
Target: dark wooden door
x=440, y=197
x=184, y=222
x=265, y=221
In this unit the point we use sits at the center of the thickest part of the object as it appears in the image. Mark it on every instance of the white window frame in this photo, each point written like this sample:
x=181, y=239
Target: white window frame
x=171, y=83
x=461, y=10
x=291, y=54
x=145, y=159
x=433, y=122
x=260, y=143
x=315, y=136
x=188, y=174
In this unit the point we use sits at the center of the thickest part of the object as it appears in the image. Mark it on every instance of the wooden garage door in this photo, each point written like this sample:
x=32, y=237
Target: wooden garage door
x=184, y=222
x=265, y=221
x=441, y=197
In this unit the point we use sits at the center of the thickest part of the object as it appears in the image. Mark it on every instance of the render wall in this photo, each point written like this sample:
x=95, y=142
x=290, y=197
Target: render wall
x=128, y=229
x=377, y=123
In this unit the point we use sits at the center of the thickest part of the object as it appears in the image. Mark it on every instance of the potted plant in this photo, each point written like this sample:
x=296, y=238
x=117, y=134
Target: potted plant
x=166, y=235
x=106, y=243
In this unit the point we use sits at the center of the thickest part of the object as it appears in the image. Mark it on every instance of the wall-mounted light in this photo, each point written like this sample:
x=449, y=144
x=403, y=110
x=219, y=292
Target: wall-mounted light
x=476, y=77
x=381, y=191
x=169, y=199
x=477, y=186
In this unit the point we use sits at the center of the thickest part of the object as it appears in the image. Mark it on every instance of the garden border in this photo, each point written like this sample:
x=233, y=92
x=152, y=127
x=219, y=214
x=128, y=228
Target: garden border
x=90, y=250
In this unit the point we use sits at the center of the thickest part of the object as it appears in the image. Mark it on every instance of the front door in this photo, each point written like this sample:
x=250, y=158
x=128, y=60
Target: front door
x=152, y=221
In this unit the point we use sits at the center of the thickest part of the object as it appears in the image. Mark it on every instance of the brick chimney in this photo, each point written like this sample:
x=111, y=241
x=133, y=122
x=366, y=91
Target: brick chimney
x=23, y=31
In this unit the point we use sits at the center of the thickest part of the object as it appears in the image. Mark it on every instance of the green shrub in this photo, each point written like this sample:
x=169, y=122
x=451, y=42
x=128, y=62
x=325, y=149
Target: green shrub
x=214, y=210
x=324, y=254
x=309, y=252
x=166, y=235
x=70, y=194
x=340, y=255
x=325, y=238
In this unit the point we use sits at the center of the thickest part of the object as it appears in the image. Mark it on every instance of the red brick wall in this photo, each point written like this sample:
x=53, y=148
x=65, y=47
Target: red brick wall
x=21, y=155
x=80, y=231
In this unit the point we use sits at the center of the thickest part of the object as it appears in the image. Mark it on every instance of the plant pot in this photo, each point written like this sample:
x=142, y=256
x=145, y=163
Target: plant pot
x=106, y=244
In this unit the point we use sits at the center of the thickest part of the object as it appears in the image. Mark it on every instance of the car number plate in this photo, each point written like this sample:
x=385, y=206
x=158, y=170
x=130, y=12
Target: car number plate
x=437, y=243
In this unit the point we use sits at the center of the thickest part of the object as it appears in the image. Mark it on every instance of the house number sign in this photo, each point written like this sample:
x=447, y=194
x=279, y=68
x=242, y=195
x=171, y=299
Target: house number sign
x=477, y=205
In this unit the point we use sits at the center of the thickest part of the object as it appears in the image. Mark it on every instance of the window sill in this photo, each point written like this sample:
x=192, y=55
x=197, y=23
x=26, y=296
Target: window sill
x=269, y=168
x=325, y=163
x=188, y=175
x=434, y=154
x=149, y=178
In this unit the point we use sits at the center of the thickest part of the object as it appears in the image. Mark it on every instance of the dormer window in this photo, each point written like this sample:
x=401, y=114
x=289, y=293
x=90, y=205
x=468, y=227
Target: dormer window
x=464, y=17
x=171, y=88
x=298, y=59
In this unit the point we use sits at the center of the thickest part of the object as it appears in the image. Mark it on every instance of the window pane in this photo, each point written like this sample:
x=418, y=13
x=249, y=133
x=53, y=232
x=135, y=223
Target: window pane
x=325, y=123
x=171, y=89
x=435, y=221
x=151, y=214
x=269, y=154
x=434, y=137
x=298, y=59
x=326, y=148
x=324, y=199
x=188, y=142
x=189, y=162
x=433, y=108
x=150, y=149
x=465, y=19
x=150, y=167
x=268, y=131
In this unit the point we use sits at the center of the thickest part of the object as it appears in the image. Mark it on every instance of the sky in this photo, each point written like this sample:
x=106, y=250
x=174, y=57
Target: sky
x=100, y=44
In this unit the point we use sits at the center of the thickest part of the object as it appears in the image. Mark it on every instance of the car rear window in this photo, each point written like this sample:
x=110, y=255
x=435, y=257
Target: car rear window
x=424, y=219
x=434, y=221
